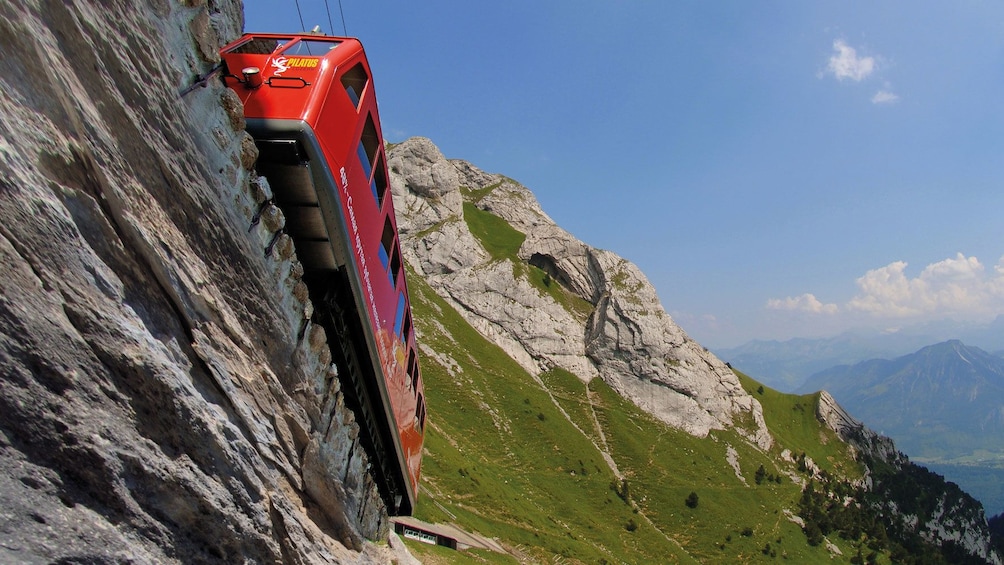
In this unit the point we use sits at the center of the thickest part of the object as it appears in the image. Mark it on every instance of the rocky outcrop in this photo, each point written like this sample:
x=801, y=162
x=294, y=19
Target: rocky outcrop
x=852, y=431
x=910, y=497
x=611, y=326
x=164, y=398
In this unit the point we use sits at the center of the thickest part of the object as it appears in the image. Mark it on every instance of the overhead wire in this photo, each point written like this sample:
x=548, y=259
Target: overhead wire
x=299, y=13
x=327, y=8
x=342, y=12
x=331, y=26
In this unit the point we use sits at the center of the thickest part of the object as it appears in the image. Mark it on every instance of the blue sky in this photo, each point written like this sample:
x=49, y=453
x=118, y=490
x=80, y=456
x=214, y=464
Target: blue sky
x=777, y=169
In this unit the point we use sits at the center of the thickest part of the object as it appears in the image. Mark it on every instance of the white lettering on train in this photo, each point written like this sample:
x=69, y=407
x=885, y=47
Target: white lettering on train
x=357, y=240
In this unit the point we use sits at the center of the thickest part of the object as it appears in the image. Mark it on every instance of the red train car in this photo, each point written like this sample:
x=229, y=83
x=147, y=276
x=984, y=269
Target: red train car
x=309, y=103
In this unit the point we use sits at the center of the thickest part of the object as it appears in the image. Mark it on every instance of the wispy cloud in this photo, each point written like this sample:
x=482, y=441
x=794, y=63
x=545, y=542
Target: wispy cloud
x=845, y=63
x=959, y=287
x=885, y=97
x=804, y=303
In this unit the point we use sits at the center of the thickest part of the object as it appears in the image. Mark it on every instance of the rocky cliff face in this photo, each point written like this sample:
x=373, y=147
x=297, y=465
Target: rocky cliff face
x=620, y=332
x=854, y=432
x=163, y=398
x=910, y=497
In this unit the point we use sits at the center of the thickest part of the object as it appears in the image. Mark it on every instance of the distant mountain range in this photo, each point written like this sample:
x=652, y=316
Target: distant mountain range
x=943, y=402
x=786, y=365
x=943, y=406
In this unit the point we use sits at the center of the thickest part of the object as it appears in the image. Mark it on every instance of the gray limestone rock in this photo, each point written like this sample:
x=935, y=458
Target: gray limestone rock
x=610, y=323
x=164, y=399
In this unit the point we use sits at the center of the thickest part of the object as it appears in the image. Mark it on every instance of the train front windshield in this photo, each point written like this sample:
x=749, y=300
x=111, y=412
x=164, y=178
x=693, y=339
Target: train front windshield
x=271, y=45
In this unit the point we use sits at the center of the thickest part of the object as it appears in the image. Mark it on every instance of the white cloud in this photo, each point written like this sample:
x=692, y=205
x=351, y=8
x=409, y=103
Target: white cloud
x=845, y=63
x=885, y=97
x=804, y=303
x=887, y=291
x=959, y=287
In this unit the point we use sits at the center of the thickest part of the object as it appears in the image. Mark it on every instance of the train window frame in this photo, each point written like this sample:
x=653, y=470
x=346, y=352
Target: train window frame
x=379, y=183
x=253, y=45
x=369, y=145
x=399, y=317
x=364, y=160
x=406, y=329
x=355, y=81
x=420, y=412
x=306, y=47
x=386, y=241
x=390, y=252
x=395, y=265
x=413, y=370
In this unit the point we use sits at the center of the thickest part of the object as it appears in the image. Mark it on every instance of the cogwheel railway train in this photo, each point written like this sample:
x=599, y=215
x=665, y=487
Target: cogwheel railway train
x=311, y=108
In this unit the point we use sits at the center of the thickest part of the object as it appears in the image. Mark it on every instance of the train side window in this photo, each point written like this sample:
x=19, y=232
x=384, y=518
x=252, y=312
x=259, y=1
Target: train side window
x=364, y=159
x=260, y=46
x=402, y=303
x=406, y=330
x=413, y=369
x=420, y=413
x=390, y=253
x=386, y=243
x=354, y=80
x=369, y=143
x=395, y=265
x=379, y=184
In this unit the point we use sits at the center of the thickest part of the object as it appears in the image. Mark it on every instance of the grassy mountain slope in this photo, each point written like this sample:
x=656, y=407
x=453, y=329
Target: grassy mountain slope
x=561, y=469
x=523, y=459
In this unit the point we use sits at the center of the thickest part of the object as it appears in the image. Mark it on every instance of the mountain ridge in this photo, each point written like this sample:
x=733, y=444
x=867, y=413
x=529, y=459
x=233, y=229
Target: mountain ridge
x=483, y=246
x=943, y=404
x=943, y=385
x=626, y=337
x=787, y=364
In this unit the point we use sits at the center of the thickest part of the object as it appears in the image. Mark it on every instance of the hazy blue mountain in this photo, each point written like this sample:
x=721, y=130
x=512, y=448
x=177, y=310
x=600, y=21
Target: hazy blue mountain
x=785, y=365
x=988, y=336
x=943, y=406
x=943, y=402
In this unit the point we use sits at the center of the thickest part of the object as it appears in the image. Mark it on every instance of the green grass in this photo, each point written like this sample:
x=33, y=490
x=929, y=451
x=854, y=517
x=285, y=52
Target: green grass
x=501, y=240
x=579, y=307
x=663, y=466
x=505, y=462
x=792, y=421
x=437, y=555
x=571, y=395
x=511, y=460
x=476, y=195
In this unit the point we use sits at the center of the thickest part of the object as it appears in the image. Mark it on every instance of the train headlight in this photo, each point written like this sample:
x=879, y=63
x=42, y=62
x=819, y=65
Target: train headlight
x=252, y=77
